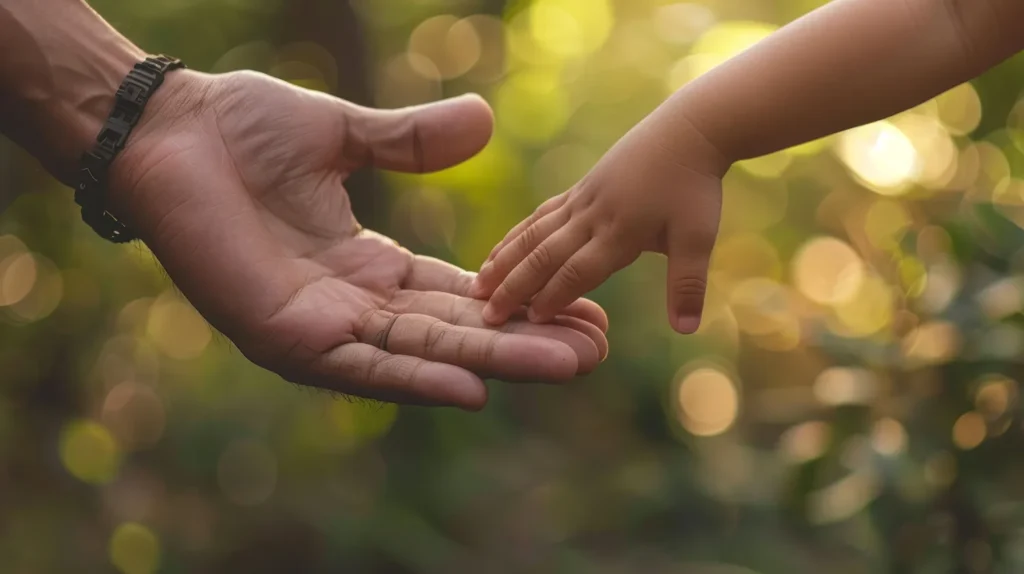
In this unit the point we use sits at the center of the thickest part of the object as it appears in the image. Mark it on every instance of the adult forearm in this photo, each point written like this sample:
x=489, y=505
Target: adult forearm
x=847, y=64
x=60, y=65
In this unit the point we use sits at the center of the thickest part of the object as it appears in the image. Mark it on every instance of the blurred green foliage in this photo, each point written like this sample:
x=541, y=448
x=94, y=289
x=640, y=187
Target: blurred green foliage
x=850, y=405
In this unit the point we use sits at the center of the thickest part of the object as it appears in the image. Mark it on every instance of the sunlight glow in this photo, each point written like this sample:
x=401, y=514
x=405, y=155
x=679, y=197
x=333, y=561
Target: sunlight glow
x=827, y=271
x=708, y=402
x=881, y=156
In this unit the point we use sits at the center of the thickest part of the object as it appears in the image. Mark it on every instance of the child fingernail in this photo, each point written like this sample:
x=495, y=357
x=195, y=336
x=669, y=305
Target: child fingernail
x=490, y=314
x=687, y=325
x=532, y=315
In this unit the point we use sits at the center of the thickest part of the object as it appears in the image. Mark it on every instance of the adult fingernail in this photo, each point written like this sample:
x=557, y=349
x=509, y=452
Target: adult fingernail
x=686, y=324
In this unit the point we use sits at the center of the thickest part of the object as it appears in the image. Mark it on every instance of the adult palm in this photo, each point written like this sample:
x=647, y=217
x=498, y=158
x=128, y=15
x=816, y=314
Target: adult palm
x=236, y=183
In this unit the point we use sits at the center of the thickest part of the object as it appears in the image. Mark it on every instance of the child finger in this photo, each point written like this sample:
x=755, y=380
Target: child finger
x=492, y=274
x=542, y=210
x=533, y=272
x=581, y=273
x=688, y=259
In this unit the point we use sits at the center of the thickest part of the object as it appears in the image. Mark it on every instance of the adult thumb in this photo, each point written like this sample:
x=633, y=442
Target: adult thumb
x=688, y=262
x=419, y=139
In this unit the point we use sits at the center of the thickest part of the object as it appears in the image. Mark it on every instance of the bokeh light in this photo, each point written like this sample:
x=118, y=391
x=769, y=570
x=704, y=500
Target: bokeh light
x=746, y=256
x=571, y=27
x=805, y=442
x=888, y=437
x=532, y=107
x=728, y=39
x=320, y=64
x=451, y=44
x=135, y=415
x=708, y=402
x=89, y=452
x=846, y=386
x=134, y=549
x=17, y=277
x=995, y=395
x=176, y=328
x=719, y=43
x=408, y=79
x=761, y=306
x=881, y=156
x=44, y=295
x=771, y=166
x=932, y=342
x=490, y=66
x=886, y=222
x=682, y=23
x=844, y=498
x=1002, y=298
x=936, y=152
x=828, y=271
x=942, y=285
x=959, y=109
x=855, y=376
x=1015, y=125
x=868, y=312
x=969, y=430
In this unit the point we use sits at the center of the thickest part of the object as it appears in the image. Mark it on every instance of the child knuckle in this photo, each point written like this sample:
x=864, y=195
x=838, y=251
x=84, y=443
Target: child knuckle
x=689, y=285
x=539, y=259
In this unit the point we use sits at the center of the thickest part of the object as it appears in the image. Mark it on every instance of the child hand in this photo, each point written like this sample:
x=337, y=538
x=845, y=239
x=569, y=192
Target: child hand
x=644, y=195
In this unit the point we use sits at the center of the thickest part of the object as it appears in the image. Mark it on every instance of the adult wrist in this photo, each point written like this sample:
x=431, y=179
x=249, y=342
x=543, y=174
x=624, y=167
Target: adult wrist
x=171, y=111
x=58, y=77
x=133, y=95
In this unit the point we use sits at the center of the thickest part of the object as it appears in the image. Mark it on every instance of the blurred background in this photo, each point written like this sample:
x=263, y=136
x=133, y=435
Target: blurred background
x=850, y=405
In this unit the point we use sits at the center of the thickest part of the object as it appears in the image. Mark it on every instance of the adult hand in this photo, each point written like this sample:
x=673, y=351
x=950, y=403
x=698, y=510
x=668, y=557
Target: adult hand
x=236, y=183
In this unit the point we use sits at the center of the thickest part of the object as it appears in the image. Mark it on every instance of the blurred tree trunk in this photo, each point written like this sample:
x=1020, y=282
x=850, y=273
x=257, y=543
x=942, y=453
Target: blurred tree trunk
x=334, y=25
x=7, y=193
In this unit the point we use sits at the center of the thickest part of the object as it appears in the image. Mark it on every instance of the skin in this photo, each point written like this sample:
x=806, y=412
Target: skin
x=659, y=188
x=236, y=184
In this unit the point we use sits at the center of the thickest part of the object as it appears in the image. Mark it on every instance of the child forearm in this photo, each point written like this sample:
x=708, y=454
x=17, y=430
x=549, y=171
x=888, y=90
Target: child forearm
x=850, y=63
